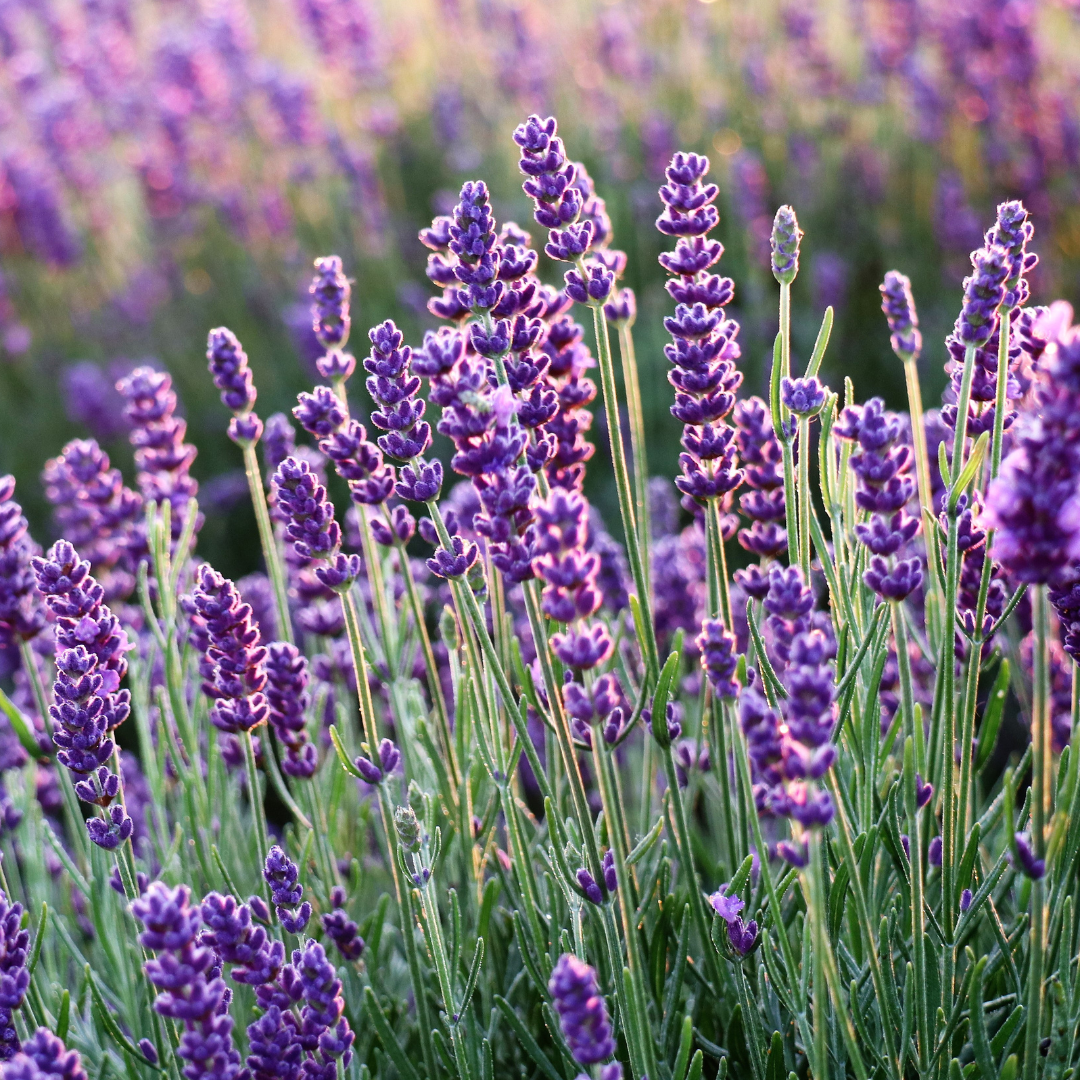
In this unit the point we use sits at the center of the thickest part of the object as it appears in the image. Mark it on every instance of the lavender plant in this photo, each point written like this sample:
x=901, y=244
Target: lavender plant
x=512, y=803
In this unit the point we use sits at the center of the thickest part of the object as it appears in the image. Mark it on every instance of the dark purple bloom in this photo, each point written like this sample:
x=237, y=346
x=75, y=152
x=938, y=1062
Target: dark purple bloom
x=621, y=309
x=550, y=179
x=14, y=976
x=400, y=525
x=582, y=1013
x=719, y=658
x=279, y=440
x=21, y=614
x=455, y=562
x=275, y=1051
x=762, y=459
x=965, y=900
x=283, y=877
x=342, y=931
x=234, y=666
x=324, y=1006
x=182, y=972
x=933, y=852
x=161, y=455
x=984, y=293
x=804, y=397
x=704, y=347
x=899, y=307
x=784, y=242
x=742, y=936
x=288, y=698
x=302, y=503
x=330, y=293
x=1013, y=232
x=885, y=485
x=1030, y=866
x=1033, y=504
x=588, y=885
x=230, y=933
x=45, y=1057
x=229, y=366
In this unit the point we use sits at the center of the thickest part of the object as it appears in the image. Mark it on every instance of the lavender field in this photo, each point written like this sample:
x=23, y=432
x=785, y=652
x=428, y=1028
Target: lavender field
x=539, y=539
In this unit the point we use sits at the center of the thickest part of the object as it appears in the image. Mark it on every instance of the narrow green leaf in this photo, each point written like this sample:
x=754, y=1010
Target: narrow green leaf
x=980, y=1038
x=528, y=1043
x=343, y=757
x=694, y=1072
x=821, y=344
x=994, y=711
x=682, y=1058
x=111, y=1025
x=774, y=1069
x=387, y=1037
x=470, y=983
x=660, y=698
x=21, y=726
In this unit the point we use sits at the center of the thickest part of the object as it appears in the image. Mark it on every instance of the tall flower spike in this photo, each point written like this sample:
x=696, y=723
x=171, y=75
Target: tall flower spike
x=898, y=304
x=288, y=698
x=182, y=972
x=231, y=934
x=324, y=1007
x=283, y=877
x=885, y=486
x=984, y=293
x=763, y=471
x=21, y=614
x=234, y=669
x=14, y=976
x=582, y=1013
x=785, y=240
x=229, y=367
x=161, y=455
x=704, y=346
x=1013, y=232
x=1033, y=504
x=45, y=1057
x=331, y=291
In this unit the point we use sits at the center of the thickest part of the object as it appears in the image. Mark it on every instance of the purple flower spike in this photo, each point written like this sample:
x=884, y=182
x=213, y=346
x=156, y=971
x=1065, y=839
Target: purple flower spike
x=182, y=971
x=454, y=563
x=324, y=1006
x=621, y=309
x=14, y=976
x=899, y=306
x=21, y=614
x=234, y=665
x=984, y=293
x=342, y=931
x=339, y=572
x=804, y=397
x=719, y=658
x=1013, y=232
x=369, y=772
x=330, y=293
x=288, y=699
x=1030, y=866
x=283, y=877
x=1033, y=503
x=592, y=289
x=785, y=239
x=763, y=504
x=229, y=366
x=230, y=933
x=309, y=515
x=44, y=1057
x=162, y=457
x=742, y=936
x=582, y=1013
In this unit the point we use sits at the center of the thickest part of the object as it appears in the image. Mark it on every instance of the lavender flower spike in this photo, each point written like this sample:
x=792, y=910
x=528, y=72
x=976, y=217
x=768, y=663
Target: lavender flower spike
x=45, y=1057
x=21, y=615
x=786, y=236
x=899, y=306
x=582, y=1013
x=14, y=976
x=283, y=877
x=229, y=366
x=331, y=321
x=984, y=293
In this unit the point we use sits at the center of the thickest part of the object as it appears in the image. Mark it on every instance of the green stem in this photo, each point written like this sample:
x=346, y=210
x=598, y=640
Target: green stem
x=404, y=903
x=638, y=569
x=922, y=473
x=963, y=403
x=780, y=425
x=812, y=884
x=918, y=912
x=628, y=356
x=1041, y=792
x=804, y=495
x=271, y=554
x=446, y=738
x=258, y=810
x=613, y=812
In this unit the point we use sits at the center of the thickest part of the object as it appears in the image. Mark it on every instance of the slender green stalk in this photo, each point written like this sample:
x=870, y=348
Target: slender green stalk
x=258, y=810
x=918, y=911
x=613, y=812
x=401, y=893
x=804, y=496
x=812, y=885
x=963, y=403
x=271, y=555
x=780, y=418
x=1041, y=808
x=638, y=568
x=636, y=413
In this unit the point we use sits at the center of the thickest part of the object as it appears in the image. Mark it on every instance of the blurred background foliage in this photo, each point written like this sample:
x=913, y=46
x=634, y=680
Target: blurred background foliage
x=171, y=165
